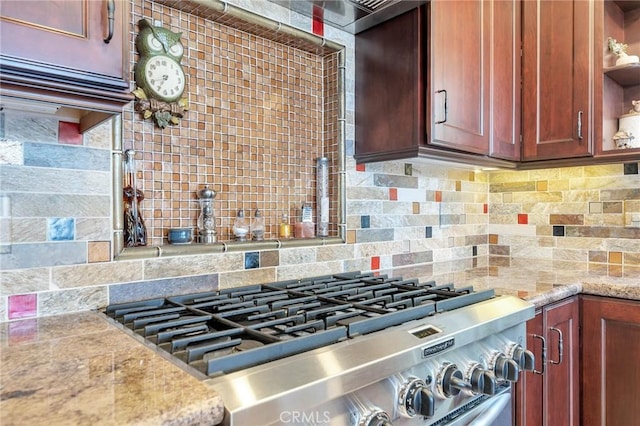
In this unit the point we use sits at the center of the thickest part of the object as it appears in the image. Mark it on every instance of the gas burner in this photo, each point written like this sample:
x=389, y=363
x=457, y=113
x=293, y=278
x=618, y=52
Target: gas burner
x=227, y=330
x=351, y=348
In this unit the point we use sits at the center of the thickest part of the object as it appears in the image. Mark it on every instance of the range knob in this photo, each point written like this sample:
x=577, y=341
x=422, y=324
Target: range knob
x=450, y=380
x=375, y=418
x=524, y=358
x=415, y=398
x=481, y=380
x=505, y=368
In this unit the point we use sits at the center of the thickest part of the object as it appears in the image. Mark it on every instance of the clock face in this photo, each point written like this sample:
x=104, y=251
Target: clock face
x=164, y=78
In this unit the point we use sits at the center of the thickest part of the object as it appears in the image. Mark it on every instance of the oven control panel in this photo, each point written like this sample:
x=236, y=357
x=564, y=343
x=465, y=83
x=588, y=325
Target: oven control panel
x=448, y=384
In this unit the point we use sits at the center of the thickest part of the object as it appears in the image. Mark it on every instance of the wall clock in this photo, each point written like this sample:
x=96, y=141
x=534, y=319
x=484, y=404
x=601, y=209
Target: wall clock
x=159, y=76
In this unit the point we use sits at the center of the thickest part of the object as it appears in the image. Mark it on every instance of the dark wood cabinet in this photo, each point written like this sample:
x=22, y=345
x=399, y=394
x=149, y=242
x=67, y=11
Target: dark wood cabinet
x=390, y=91
x=556, y=67
x=551, y=396
x=426, y=80
x=610, y=361
x=475, y=76
x=75, y=49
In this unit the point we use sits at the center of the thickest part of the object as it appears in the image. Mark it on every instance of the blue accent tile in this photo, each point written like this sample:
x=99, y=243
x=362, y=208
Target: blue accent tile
x=428, y=232
x=558, y=231
x=251, y=260
x=61, y=228
x=365, y=222
x=66, y=157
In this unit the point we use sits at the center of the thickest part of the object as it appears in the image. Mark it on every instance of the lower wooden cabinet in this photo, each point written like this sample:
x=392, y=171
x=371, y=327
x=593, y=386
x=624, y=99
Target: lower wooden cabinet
x=610, y=361
x=551, y=394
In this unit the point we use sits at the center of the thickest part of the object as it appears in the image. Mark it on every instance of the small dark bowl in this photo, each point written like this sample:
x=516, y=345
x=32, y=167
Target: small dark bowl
x=180, y=235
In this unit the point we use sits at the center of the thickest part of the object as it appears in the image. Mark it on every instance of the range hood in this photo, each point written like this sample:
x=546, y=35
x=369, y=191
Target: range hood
x=353, y=16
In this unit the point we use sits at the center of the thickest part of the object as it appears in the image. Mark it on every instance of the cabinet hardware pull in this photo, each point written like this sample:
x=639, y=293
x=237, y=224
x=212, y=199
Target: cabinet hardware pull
x=560, y=346
x=544, y=355
x=445, y=106
x=111, y=8
x=580, y=125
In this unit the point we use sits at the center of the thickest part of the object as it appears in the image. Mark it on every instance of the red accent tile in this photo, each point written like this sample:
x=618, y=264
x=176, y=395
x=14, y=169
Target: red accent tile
x=360, y=167
x=485, y=208
x=393, y=194
x=375, y=262
x=318, y=20
x=23, y=306
x=69, y=133
x=523, y=218
x=438, y=196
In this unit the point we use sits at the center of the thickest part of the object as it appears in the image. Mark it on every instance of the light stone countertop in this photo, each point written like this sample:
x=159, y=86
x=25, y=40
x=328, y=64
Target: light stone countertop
x=80, y=369
x=83, y=369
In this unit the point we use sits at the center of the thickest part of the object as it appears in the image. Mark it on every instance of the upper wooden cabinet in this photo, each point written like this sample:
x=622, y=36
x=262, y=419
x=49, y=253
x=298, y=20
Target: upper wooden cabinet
x=474, y=64
x=71, y=48
x=556, y=67
x=440, y=81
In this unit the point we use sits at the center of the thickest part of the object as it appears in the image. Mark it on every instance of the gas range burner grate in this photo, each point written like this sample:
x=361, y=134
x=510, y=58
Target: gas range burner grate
x=228, y=330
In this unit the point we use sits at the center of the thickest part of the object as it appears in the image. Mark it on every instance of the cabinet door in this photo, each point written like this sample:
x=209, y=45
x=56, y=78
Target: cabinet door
x=562, y=377
x=389, y=88
x=611, y=370
x=63, y=42
x=459, y=63
x=506, y=79
x=556, y=85
x=529, y=389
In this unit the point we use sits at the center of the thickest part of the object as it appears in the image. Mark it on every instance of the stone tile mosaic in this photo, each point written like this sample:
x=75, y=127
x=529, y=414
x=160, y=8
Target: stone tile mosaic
x=100, y=136
x=60, y=205
x=21, y=126
x=66, y=157
x=37, y=255
x=99, y=251
x=370, y=235
x=72, y=300
x=334, y=252
x=247, y=277
x=412, y=258
x=93, y=228
x=22, y=179
x=141, y=290
x=389, y=180
x=11, y=152
x=96, y=274
x=177, y=266
x=269, y=258
x=24, y=281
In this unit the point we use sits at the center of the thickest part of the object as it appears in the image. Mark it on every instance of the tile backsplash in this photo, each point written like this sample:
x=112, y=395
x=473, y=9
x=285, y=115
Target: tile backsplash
x=56, y=196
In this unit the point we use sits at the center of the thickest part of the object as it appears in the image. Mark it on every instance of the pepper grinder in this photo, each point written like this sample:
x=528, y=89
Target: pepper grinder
x=207, y=233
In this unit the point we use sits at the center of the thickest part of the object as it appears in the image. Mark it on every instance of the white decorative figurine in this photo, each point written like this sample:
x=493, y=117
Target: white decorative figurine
x=628, y=135
x=620, y=50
